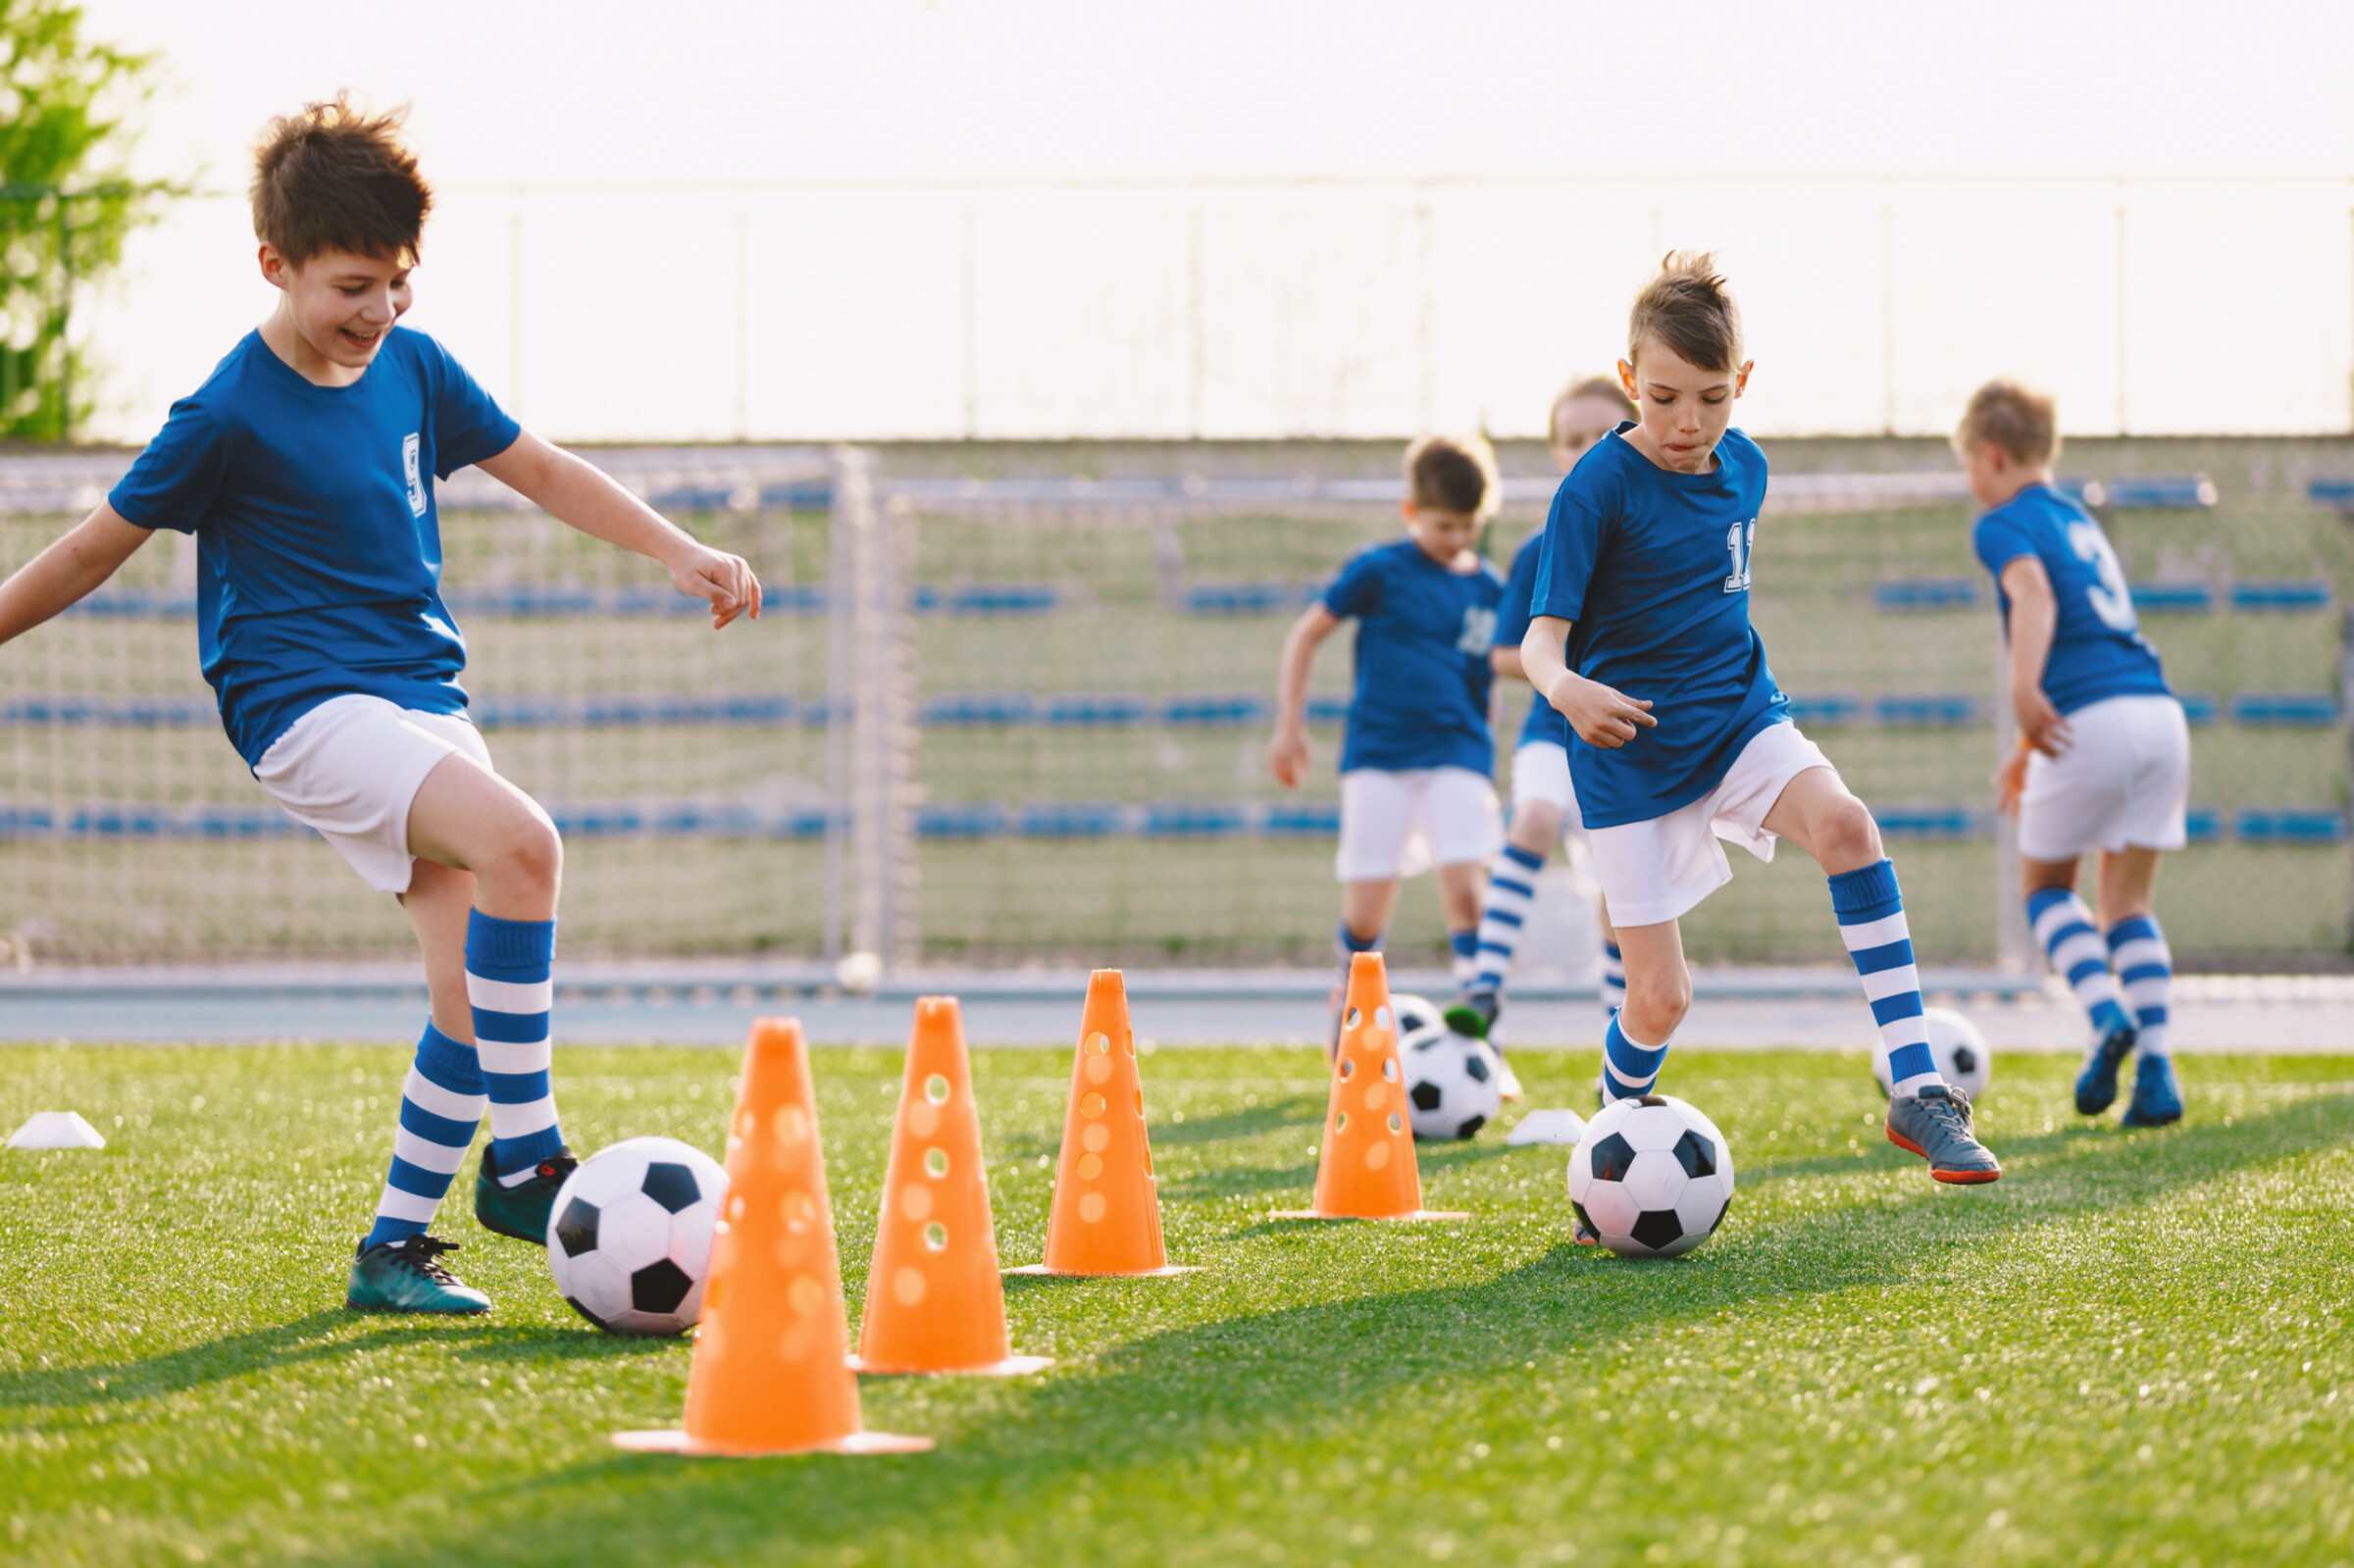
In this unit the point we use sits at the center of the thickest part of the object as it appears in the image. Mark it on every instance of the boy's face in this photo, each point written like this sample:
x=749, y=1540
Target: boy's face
x=1684, y=410
x=341, y=304
x=1995, y=476
x=1577, y=425
x=1441, y=536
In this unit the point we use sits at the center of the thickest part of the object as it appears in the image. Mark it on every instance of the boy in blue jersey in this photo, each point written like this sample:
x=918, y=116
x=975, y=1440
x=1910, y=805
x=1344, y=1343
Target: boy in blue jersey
x=2104, y=754
x=1640, y=636
x=1544, y=800
x=304, y=467
x=1418, y=753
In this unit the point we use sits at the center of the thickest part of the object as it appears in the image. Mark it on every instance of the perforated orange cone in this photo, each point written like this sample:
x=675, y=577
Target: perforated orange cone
x=768, y=1374
x=1366, y=1170
x=934, y=1301
x=1107, y=1213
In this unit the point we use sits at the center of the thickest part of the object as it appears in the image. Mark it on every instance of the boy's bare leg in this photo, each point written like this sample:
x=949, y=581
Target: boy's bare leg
x=2128, y=878
x=438, y=904
x=1659, y=994
x=468, y=818
x=1505, y=899
x=1365, y=911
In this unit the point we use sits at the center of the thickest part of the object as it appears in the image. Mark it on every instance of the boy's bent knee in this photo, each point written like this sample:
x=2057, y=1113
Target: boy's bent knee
x=1848, y=838
x=1654, y=1007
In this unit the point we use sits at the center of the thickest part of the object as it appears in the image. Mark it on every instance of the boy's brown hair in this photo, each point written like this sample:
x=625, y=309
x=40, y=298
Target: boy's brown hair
x=333, y=177
x=1689, y=308
x=2023, y=421
x=1602, y=389
x=1453, y=474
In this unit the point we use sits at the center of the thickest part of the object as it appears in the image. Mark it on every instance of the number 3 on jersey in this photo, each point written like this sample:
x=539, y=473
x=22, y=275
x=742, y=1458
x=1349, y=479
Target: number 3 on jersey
x=1740, y=538
x=2110, y=598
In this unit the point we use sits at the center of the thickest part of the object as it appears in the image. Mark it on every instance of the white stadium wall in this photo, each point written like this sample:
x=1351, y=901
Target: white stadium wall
x=1279, y=310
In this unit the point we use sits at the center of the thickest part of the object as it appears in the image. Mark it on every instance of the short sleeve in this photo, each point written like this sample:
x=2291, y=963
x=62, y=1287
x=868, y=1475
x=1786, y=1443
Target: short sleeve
x=1999, y=541
x=468, y=424
x=175, y=480
x=1356, y=593
x=1565, y=560
x=1511, y=610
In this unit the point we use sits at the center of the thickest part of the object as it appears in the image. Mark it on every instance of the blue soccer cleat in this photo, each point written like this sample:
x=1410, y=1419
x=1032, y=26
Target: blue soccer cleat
x=2157, y=1098
x=407, y=1276
x=2096, y=1085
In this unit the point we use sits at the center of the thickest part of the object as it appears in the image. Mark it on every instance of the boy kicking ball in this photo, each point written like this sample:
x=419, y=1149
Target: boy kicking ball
x=1416, y=756
x=1640, y=636
x=1544, y=802
x=2104, y=752
x=301, y=466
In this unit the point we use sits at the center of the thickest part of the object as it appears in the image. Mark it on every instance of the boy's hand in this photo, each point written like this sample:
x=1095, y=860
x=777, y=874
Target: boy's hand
x=724, y=581
x=2010, y=781
x=1600, y=716
x=2039, y=723
x=1287, y=756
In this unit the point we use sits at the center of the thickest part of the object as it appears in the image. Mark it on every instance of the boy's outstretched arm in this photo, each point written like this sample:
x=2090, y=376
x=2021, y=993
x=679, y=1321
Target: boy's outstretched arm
x=1602, y=716
x=1287, y=753
x=76, y=562
x=582, y=495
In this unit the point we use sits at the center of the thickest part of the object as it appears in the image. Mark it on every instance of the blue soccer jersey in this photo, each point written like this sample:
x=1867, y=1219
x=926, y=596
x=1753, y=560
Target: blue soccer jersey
x=2098, y=650
x=1652, y=568
x=1544, y=721
x=318, y=548
x=1423, y=633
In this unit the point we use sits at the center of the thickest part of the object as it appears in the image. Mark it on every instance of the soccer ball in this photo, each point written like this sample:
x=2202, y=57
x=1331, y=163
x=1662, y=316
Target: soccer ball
x=629, y=1236
x=1453, y=1081
x=1653, y=1177
x=1957, y=1048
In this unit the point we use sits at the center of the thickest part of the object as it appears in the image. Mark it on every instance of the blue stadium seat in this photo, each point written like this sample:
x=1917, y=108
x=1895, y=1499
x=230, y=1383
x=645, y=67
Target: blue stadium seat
x=135, y=604
x=1327, y=710
x=1192, y=819
x=2146, y=492
x=807, y=824
x=2339, y=493
x=2307, y=596
x=986, y=598
x=799, y=496
x=52, y=710
x=794, y=598
x=1302, y=820
x=598, y=821
x=1243, y=598
x=1925, y=709
x=979, y=707
x=2198, y=707
x=2290, y=826
x=2173, y=597
x=1927, y=593
x=1215, y=712
x=960, y=819
x=1925, y=821
x=692, y=498
x=2296, y=709
x=2203, y=825
x=1072, y=819
x=25, y=822
x=119, y=821
x=1822, y=708
x=1078, y=710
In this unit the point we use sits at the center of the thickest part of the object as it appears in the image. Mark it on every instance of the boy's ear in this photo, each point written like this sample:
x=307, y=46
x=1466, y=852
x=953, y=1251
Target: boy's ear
x=1741, y=380
x=1405, y=510
x=1626, y=379
x=275, y=267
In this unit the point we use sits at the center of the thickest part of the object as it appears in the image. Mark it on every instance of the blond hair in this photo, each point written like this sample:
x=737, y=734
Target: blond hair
x=1602, y=389
x=2023, y=421
x=1453, y=474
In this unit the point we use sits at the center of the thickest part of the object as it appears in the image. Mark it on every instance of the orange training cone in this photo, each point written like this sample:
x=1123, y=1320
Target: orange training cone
x=934, y=1301
x=1367, y=1169
x=768, y=1374
x=1107, y=1213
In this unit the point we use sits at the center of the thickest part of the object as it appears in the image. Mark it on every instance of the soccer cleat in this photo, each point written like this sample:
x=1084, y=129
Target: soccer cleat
x=522, y=1210
x=1508, y=1081
x=407, y=1276
x=2157, y=1098
x=1474, y=1013
x=1936, y=1125
x=2096, y=1085
x=1585, y=1234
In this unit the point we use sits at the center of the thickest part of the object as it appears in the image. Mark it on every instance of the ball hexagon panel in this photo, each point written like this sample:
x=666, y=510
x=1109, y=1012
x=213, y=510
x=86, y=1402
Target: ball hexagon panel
x=1656, y=1180
x=1702, y=1207
x=600, y=1286
x=1656, y=1229
x=634, y=1232
x=1652, y=1124
x=603, y=1182
x=691, y=1232
x=1611, y=1208
x=671, y=1184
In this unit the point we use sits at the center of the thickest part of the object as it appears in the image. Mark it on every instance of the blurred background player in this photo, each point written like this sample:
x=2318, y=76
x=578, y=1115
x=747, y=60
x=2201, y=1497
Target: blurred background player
x=304, y=467
x=1418, y=754
x=2104, y=751
x=1544, y=802
x=1640, y=635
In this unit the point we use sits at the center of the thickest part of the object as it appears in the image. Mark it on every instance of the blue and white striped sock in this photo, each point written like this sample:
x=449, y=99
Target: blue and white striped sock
x=1871, y=925
x=1511, y=893
x=2064, y=926
x=2145, y=973
x=1614, y=981
x=1629, y=1068
x=441, y=1106
x=507, y=963
x=1465, y=944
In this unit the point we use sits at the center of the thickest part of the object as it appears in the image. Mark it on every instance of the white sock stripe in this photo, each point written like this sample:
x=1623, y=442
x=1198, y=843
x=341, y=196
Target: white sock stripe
x=1890, y=983
x=522, y=1120
x=1611, y=1068
x=2067, y=912
x=427, y=1155
x=2078, y=950
x=1875, y=933
x=2141, y=950
x=448, y=1102
x=2147, y=994
x=510, y=996
x=398, y=1205
x=506, y=1057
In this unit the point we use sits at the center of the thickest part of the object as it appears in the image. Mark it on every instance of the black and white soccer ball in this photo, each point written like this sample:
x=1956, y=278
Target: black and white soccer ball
x=629, y=1236
x=1653, y=1177
x=1960, y=1051
x=1453, y=1083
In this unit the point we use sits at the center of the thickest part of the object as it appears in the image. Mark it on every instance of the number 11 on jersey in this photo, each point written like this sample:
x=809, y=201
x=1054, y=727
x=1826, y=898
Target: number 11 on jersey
x=1739, y=540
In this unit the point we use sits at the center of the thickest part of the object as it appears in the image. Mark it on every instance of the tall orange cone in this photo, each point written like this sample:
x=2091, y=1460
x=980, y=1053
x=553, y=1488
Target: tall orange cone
x=1107, y=1213
x=1367, y=1169
x=768, y=1374
x=934, y=1301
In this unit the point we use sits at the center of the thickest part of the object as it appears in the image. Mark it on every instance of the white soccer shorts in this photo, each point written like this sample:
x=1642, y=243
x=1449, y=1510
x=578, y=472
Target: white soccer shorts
x=351, y=767
x=2123, y=783
x=1658, y=870
x=1401, y=823
x=1541, y=772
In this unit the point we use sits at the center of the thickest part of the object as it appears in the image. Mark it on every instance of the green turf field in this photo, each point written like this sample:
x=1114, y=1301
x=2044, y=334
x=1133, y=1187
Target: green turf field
x=2131, y=1349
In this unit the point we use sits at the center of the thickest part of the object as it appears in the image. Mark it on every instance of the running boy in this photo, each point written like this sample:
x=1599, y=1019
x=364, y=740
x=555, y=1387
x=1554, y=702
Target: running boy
x=2104, y=754
x=1640, y=636
x=1544, y=803
x=1417, y=754
x=304, y=467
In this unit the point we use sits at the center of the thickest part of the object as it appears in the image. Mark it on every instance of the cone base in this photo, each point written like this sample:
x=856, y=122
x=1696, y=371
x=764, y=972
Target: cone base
x=1411, y=1215
x=671, y=1440
x=1106, y=1273
x=1013, y=1366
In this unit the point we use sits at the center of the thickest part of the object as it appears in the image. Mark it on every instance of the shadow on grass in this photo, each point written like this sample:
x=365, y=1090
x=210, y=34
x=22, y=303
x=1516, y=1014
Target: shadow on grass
x=1012, y=1455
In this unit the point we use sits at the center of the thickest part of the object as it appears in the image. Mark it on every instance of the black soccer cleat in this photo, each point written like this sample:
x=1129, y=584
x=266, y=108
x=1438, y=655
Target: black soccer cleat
x=2096, y=1085
x=521, y=1211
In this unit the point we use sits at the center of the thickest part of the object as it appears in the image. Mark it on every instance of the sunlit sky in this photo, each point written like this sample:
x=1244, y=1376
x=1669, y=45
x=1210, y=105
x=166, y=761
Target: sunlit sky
x=506, y=92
